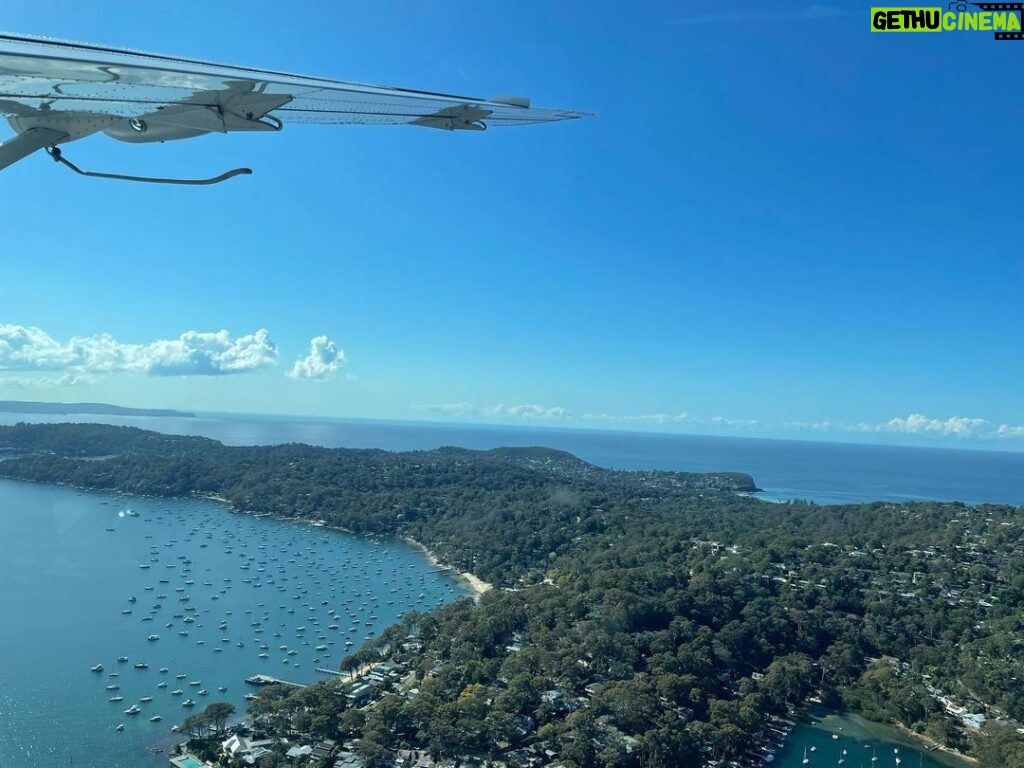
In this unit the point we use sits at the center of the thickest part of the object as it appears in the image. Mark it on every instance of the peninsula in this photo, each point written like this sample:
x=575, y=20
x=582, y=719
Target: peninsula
x=636, y=618
x=103, y=409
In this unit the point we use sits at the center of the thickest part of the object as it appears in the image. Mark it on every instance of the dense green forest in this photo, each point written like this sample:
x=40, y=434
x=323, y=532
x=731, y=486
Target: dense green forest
x=650, y=618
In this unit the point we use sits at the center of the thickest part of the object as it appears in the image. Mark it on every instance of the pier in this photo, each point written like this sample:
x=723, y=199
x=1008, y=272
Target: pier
x=329, y=671
x=268, y=680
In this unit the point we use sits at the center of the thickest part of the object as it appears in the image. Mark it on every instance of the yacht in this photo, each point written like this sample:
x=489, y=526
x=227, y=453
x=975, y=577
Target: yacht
x=153, y=637
x=145, y=699
x=141, y=665
x=97, y=668
x=116, y=698
x=120, y=727
x=162, y=684
x=134, y=709
x=177, y=692
x=155, y=719
x=188, y=703
x=122, y=659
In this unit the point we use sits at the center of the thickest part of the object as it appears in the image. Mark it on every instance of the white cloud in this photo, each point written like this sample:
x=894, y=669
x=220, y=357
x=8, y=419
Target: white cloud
x=531, y=411
x=193, y=353
x=954, y=426
x=649, y=418
x=324, y=360
x=1006, y=431
x=528, y=412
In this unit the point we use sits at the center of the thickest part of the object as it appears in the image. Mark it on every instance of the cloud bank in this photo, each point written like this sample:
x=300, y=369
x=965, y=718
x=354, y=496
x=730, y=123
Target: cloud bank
x=955, y=427
x=324, y=360
x=528, y=412
x=193, y=353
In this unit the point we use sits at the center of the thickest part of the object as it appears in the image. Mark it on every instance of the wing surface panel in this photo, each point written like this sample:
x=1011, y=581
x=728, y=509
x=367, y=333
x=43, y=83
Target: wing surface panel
x=39, y=74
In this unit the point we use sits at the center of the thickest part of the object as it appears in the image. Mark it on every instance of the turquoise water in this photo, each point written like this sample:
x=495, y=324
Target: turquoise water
x=828, y=473
x=861, y=740
x=66, y=580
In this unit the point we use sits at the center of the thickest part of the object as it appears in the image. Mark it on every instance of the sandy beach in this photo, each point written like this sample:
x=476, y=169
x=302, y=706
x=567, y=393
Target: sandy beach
x=478, y=585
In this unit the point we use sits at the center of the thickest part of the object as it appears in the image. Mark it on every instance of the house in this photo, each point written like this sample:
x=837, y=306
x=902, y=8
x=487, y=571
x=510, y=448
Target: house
x=247, y=750
x=323, y=748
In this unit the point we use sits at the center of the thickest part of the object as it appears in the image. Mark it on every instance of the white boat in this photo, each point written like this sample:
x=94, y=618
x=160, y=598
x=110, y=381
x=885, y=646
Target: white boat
x=806, y=758
x=116, y=698
x=177, y=692
x=188, y=703
x=153, y=637
x=134, y=709
x=122, y=659
x=113, y=687
x=120, y=727
x=155, y=719
x=97, y=668
x=146, y=698
x=162, y=684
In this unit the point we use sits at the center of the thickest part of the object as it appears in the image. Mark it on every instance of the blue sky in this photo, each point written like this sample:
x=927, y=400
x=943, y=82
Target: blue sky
x=777, y=224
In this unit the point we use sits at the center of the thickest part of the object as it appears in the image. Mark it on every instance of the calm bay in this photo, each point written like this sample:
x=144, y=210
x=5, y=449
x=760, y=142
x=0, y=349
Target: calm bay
x=73, y=561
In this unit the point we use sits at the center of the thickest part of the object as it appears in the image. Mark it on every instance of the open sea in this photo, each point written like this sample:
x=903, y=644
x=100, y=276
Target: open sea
x=73, y=562
x=826, y=473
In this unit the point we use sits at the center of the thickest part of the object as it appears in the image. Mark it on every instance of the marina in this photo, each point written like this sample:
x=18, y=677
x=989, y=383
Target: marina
x=823, y=739
x=238, y=585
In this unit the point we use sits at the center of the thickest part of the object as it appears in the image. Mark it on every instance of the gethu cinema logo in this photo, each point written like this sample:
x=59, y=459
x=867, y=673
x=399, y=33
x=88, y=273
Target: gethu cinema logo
x=994, y=17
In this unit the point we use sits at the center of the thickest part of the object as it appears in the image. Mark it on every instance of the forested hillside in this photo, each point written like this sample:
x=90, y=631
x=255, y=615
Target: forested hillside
x=649, y=617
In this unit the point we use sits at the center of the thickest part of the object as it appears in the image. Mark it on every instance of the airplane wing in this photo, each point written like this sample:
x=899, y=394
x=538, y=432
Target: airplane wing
x=56, y=91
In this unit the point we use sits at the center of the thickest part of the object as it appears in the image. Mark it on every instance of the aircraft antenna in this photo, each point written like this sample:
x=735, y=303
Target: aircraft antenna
x=58, y=157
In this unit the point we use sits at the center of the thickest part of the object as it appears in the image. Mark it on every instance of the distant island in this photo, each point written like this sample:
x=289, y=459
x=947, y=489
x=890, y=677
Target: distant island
x=104, y=409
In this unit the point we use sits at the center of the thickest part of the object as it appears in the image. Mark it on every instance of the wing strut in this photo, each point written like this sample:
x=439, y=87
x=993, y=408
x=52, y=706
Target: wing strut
x=27, y=142
x=55, y=153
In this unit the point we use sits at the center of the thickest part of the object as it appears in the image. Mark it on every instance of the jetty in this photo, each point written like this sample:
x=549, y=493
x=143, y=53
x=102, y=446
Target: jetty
x=268, y=680
x=329, y=671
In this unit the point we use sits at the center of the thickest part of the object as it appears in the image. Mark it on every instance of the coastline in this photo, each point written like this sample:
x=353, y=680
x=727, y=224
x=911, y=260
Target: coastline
x=855, y=724
x=475, y=583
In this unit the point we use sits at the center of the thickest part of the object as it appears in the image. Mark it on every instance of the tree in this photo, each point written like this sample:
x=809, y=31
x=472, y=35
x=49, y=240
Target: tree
x=218, y=713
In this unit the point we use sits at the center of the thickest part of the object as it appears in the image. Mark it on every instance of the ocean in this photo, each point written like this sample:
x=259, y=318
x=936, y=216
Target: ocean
x=826, y=473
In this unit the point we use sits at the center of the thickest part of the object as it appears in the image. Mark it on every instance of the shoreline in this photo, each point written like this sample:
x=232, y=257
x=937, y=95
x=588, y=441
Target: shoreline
x=478, y=586
x=827, y=719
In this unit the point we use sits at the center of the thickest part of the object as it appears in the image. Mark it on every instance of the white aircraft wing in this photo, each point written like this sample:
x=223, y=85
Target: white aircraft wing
x=52, y=92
